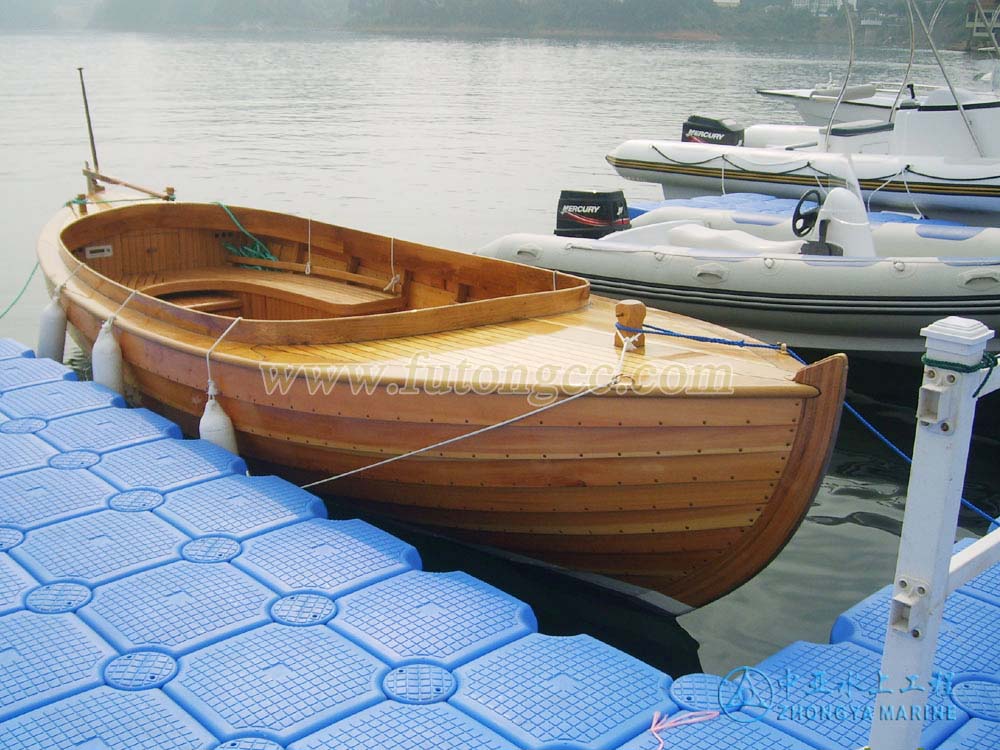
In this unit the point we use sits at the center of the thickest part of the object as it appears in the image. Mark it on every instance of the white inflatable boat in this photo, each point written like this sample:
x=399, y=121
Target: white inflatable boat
x=935, y=158
x=846, y=283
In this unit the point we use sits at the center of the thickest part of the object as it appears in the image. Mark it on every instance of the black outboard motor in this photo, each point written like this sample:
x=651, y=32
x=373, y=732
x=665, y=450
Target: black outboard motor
x=584, y=213
x=700, y=129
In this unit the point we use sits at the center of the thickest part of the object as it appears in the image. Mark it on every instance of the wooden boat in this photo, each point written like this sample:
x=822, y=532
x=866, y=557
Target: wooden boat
x=687, y=490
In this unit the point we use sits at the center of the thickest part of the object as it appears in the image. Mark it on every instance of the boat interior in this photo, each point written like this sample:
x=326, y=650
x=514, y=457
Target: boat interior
x=259, y=265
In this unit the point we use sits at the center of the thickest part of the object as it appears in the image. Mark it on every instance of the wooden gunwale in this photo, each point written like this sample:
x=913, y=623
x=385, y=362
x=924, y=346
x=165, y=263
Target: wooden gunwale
x=570, y=293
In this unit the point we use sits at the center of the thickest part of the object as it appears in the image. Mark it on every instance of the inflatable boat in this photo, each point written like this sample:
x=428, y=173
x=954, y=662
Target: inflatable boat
x=813, y=276
x=937, y=158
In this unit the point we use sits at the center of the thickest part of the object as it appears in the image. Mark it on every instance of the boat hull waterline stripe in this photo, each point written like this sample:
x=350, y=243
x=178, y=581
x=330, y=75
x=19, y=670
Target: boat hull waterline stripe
x=888, y=184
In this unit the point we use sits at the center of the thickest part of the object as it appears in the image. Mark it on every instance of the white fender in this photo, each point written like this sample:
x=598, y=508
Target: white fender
x=106, y=360
x=848, y=227
x=215, y=425
x=52, y=331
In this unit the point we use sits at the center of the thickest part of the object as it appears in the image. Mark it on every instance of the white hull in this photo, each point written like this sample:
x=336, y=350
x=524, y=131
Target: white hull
x=962, y=190
x=873, y=306
x=867, y=102
x=935, y=158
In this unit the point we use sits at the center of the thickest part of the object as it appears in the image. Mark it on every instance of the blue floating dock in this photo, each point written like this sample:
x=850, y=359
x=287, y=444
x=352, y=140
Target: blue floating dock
x=155, y=597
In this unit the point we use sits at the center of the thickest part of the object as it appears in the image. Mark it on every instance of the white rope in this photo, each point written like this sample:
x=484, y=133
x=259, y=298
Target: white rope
x=212, y=390
x=901, y=173
x=309, y=246
x=391, y=286
x=871, y=195
x=111, y=318
x=489, y=428
x=913, y=201
x=58, y=290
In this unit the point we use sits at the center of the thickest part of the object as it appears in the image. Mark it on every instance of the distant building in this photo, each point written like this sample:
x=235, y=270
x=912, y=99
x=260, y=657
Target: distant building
x=823, y=7
x=978, y=33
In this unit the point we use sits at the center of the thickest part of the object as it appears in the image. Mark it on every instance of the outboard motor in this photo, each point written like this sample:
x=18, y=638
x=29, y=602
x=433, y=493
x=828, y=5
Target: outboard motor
x=709, y=130
x=584, y=213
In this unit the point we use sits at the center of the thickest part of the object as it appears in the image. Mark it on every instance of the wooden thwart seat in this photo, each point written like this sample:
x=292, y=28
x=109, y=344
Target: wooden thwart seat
x=218, y=290
x=209, y=302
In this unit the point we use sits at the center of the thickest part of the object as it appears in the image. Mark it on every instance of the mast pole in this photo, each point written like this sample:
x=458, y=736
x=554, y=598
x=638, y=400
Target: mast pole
x=90, y=127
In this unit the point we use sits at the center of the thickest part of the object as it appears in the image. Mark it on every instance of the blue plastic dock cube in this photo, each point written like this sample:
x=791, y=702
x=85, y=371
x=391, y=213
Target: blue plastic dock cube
x=825, y=696
x=178, y=608
x=99, y=547
x=23, y=453
x=725, y=732
x=44, y=658
x=10, y=349
x=981, y=700
x=865, y=624
x=278, y=682
x=15, y=582
x=106, y=719
x=975, y=735
x=240, y=506
x=44, y=496
x=58, y=399
x=19, y=372
x=331, y=557
x=447, y=618
x=106, y=430
x=167, y=465
x=437, y=726
x=542, y=690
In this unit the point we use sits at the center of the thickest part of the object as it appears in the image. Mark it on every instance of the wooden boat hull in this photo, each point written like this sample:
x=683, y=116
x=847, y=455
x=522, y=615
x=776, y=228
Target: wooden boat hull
x=689, y=495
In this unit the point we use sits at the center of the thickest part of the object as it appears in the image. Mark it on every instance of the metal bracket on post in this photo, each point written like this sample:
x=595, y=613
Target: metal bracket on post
x=936, y=401
x=909, y=609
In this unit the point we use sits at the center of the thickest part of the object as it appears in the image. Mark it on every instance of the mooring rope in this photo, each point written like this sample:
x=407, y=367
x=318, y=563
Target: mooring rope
x=62, y=285
x=662, y=722
x=111, y=318
x=740, y=343
x=989, y=362
x=211, y=350
x=20, y=294
x=396, y=278
x=627, y=342
x=309, y=246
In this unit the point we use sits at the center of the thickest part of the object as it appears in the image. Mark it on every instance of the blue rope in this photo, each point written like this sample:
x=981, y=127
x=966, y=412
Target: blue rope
x=888, y=443
x=703, y=339
x=894, y=448
x=850, y=409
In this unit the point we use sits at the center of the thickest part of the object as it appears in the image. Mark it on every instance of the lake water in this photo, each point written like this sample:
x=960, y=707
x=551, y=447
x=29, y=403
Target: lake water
x=450, y=142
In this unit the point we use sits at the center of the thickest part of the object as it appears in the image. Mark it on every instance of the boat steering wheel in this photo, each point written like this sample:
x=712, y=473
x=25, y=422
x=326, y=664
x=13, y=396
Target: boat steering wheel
x=804, y=221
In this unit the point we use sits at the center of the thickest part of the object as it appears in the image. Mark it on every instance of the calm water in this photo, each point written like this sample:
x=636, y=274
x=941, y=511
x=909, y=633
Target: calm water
x=448, y=142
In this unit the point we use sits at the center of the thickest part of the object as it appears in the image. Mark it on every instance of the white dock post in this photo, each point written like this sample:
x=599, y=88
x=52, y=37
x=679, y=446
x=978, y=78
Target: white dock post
x=945, y=413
